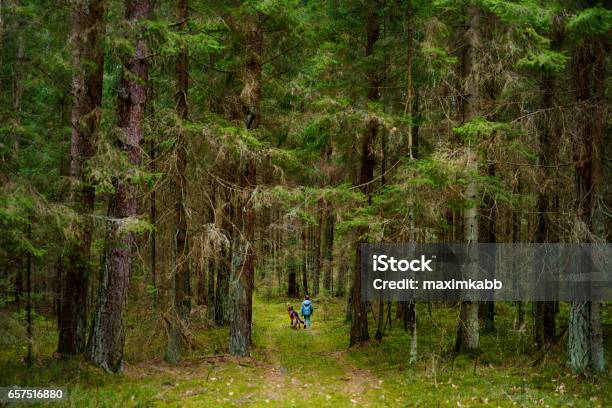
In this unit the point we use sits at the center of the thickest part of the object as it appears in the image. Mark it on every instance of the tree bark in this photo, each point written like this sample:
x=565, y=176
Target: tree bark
x=223, y=266
x=222, y=288
x=182, y=274
x=292, y=282
x=243, y=269
x=585, y=342
x=202, y=274
x=328, y=280
x=468, y=337
x=489, y=235
x=318, y=260
x=359, y=318
x=547, y=203
x=88, y=61
x=305, y=258
x=153, y=215
x=409, y=64
x=29, y=357
x=108, y=335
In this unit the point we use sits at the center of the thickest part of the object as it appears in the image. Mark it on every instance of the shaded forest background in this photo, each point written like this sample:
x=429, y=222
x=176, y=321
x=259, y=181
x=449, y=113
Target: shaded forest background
x=170, y=158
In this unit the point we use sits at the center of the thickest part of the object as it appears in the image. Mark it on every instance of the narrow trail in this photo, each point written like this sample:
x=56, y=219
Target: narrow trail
x=312, y=360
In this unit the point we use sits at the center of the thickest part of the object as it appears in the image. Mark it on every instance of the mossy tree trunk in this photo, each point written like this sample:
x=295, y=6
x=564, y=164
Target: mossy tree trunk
x=88, y=61
x=108, y=335
x=585, y=341
x=243, y=267
x=181, y=286
x=468, y=337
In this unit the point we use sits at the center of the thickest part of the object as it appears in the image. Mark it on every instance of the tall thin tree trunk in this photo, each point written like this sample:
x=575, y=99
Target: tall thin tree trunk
x=210, y=289
x=489, y=235
x=222, y=288
x=380, y=329
x=108, y=335
x=153, y=215
x=328, y=280
x=359, y=318
x=202, y=274
x=516, y=238
x=1, y=32
x=29, y=358
x=18, y=87
x=182, y=274
x=88, y=61
x=409, y=64
x=214, y=258
x=585, y=341
x=305, y=258
x=292, y=282
x=544, y=311
x=468, y=337
x=223, y=264
x=318, y=260
x=243, y=270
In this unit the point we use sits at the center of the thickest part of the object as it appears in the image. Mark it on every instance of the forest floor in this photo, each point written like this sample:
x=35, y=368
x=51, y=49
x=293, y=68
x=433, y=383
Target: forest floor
x=314, y=367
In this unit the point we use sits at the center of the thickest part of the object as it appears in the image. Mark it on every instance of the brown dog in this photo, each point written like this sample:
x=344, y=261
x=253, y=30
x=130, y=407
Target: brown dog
x=296, y=322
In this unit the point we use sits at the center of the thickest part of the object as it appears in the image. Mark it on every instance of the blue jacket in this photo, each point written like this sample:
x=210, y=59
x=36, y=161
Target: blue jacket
x=307, y=308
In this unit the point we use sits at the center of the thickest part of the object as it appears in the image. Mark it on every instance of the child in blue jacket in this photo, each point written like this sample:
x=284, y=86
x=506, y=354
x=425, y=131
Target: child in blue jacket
x=307, y=310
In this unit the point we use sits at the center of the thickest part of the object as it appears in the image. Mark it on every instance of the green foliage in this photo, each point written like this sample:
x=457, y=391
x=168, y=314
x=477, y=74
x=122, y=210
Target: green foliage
x=545, y=61
x=526, y=13
x=590, y=22
x=480, y=127
x=136, y=225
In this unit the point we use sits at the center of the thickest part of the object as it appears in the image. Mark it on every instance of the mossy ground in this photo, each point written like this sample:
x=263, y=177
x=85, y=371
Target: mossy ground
x=314, y=367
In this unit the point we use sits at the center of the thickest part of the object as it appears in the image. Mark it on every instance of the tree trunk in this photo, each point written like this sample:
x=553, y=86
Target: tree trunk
x=202, y=274
x=412, y=324
x=585, y=342
x=409, y=64
x=212, y=261
x=380, y=323
x=29, y=358
x=578, y=343
x=211, y=293
x=359, y=318
x=489, y=235
x=182, y=274
x=1, y=32
x=544, y=315
x=341, y=283
x=153, y=253
x=292, y=283
x=328, y=279
x=108, y=336
x=516, y=238
x=223, y=265
x=318, y=261
x=305, y=258
x=222, y=288
x=88, y=60
x=243, y=270
x=359, y=321
x=468, y=328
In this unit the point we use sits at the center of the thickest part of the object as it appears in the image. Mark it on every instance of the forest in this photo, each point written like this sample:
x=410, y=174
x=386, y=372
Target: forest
x=174, y=174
